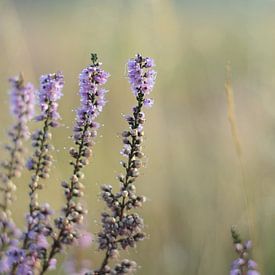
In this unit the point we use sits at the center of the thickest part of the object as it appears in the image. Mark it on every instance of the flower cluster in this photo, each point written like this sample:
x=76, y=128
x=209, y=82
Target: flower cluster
x=34, y=251
x=141, y=75
x=25, y=260
x=38, y=221
x=120, y=228
x=85, y=130
x=243, y=265
x=22, y=102
x=22, y=109
x=50, y=92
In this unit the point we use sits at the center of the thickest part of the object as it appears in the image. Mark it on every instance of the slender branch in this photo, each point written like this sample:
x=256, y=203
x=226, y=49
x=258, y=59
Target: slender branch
x=56, y=244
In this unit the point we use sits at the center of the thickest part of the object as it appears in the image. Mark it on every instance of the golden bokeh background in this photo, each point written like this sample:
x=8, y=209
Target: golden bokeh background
x=193, y=177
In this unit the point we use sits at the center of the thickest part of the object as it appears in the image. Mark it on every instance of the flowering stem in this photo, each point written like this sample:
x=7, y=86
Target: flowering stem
x=127, y=177
x=140, y=100
x=22, y=107
x=122, y=228
x=56, y=243
x=7, y=190
x=34, y=185
x=243, y=265
x=10, y=172
x=92, y=102
x=38, y=224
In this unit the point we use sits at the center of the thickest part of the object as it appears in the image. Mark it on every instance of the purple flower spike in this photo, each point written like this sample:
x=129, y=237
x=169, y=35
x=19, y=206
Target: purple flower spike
x=243, y=265
x=92, y=98
x=51, y=86
x=141, y=75
x=122, y=228
x=21, y=99
x=39, y=227
x=22, y=109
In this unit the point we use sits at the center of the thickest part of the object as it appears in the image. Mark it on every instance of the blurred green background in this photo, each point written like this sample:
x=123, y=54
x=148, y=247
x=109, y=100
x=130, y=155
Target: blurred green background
x=193, y=176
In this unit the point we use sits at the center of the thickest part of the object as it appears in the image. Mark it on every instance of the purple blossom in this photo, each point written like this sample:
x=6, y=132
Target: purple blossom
x=14, y=256
x=22, y=109
x=92, y=99
x=21, y=99
x=35, y=240
x=148, y=102
x=34, y=251
x=141, y=75
x=4, y=265
x=50, y=92
x=27, y=267
x=121, y=227
x=39, y=227
x=92, y=96
x=243, y=265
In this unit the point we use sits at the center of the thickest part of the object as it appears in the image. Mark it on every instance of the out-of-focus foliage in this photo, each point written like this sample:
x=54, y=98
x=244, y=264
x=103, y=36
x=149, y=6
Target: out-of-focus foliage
x=193, y=176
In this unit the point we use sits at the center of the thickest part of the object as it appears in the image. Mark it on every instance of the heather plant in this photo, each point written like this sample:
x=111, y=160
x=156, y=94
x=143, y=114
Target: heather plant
x=38, y=223
x=243, y=265
x=33, y=250
x=85, y=130
x=121, y=227
x=22, y=109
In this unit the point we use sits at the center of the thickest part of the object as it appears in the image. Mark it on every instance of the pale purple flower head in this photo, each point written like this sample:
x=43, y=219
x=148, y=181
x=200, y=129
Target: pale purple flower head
x=92, y=95
x=15, y=255
x=141, y=75
x=92, y=98
x=50, y=92
x=21, y=99
x=52, y=264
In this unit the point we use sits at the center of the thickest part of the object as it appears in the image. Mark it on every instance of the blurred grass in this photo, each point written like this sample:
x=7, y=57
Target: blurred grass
x=192, y=178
